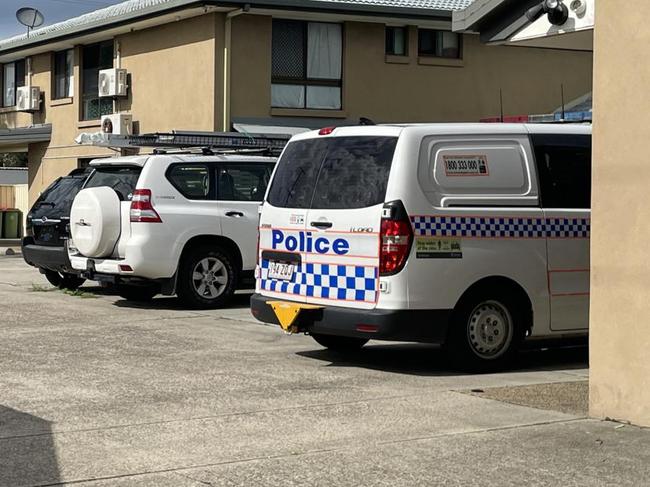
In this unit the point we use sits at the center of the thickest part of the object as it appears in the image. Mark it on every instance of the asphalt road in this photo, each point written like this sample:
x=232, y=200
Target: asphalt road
x=100, y=391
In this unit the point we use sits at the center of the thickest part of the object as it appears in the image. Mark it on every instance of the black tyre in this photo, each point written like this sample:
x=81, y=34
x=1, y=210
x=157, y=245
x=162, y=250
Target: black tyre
x=339, y=344
x=53, y=278
x=207, y=278
x=139, y=293
x=63, y=280
x=486, y=331
x=71, y=281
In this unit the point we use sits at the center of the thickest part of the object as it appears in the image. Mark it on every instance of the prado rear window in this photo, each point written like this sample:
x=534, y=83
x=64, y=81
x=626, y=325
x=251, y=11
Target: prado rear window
x=121, y=179
x=333, y=173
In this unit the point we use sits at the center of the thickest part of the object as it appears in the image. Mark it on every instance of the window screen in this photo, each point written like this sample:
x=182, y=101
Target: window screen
x=306, y=64
x=242, y=181
x=564, y=168
x=95, y=58
x=121, y=179
x=333, y=173
x=191, y=180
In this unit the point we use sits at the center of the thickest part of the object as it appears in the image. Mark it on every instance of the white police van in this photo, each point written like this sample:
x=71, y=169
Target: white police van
x=474, y=236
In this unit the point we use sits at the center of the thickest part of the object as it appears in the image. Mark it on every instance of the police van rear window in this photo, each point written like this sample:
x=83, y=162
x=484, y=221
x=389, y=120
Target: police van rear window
x=333, y=173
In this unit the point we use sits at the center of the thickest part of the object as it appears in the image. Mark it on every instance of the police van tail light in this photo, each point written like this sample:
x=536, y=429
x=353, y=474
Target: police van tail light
x=141, y=208
x=396, y=239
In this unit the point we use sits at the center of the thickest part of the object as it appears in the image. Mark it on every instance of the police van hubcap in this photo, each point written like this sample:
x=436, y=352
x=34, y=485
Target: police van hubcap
x=209, y=278
x=489, y=330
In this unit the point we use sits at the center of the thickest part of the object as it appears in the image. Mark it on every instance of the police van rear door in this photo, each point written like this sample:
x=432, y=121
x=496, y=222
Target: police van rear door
x=333, y=188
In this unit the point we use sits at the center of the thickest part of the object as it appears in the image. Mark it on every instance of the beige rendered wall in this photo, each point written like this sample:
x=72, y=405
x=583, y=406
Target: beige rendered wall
x=412, y=89
x=620, y=255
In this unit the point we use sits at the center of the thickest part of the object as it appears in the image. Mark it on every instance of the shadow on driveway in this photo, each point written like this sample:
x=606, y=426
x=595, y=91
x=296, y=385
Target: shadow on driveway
x=27, y=450
x=241, y=300
x=429, y=360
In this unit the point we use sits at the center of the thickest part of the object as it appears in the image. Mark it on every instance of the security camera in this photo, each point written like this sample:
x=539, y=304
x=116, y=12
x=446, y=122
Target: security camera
x=557, y=12
x=579, y=7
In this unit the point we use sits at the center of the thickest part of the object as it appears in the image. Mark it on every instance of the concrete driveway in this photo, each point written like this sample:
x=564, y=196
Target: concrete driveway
x=100, y=391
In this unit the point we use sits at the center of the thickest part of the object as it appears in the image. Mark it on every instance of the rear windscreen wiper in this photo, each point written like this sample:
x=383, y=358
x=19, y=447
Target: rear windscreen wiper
x=49, y=203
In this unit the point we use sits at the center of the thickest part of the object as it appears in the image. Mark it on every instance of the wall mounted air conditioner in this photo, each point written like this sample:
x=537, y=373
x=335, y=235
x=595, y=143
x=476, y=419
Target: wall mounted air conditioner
x=28, y=99
x=112, y=82
x=117, y=124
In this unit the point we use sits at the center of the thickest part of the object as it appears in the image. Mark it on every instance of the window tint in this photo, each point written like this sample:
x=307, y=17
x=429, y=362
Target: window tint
x=57, y=199
x=63, y=74
x=396, y=41
x=192, y=180
x=121, y=179
x=439, y=43
x=13, y=77
x=333, y=173
x=564, y=168
x=242, y=182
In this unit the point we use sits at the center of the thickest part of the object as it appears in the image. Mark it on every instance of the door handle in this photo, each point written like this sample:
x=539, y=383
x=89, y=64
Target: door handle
x=321, y=224
x=234, y=214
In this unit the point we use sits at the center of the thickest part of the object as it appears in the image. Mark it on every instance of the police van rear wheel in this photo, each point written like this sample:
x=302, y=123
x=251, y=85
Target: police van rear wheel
x=339, y=344
x=485, y=333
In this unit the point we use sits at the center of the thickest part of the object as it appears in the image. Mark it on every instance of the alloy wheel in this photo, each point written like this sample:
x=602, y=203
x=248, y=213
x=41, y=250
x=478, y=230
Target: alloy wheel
x=209, y=278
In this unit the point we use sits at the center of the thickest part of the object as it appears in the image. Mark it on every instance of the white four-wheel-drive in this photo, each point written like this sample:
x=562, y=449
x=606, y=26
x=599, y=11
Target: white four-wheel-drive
x=170, y=223
x=474, y=236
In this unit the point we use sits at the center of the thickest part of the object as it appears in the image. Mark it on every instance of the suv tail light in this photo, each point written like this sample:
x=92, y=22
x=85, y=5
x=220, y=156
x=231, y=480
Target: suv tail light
x=396, y=238
x=141, y=208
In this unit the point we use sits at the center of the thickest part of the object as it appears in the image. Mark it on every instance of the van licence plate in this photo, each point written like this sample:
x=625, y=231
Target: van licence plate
x=281, y=271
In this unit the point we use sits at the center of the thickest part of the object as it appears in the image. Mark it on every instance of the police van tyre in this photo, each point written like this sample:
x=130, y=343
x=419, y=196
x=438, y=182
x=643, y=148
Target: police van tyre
x=64, y=280
x=137, y=293
x=339, y=344
x=486, y=331
x=206, y=278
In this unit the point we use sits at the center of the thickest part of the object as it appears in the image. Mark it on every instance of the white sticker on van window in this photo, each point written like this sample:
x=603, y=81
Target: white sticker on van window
x=438, y=248
x=297, y=219
x=466, y=166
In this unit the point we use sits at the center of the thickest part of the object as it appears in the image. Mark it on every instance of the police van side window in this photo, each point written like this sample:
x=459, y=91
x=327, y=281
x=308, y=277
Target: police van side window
x=564, y=168
x=333, y=173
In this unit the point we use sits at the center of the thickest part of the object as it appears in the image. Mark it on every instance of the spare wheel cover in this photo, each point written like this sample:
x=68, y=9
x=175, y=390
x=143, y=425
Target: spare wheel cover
x=95, y=221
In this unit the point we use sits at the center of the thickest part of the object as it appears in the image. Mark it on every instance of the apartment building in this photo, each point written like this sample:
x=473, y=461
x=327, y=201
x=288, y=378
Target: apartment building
x=211, y=66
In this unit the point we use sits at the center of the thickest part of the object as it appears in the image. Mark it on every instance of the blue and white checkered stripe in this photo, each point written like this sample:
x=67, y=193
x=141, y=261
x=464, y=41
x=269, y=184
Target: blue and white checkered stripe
x=326, y=281
x=568, y=227
x=500, y=227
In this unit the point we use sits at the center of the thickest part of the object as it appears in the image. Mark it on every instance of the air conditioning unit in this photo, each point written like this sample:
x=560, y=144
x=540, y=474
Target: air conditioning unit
x=28, y=99
x=117, y=124
x=112, y=82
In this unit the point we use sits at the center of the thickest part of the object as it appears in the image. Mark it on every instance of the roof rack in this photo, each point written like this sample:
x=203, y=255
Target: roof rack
x=202, y=142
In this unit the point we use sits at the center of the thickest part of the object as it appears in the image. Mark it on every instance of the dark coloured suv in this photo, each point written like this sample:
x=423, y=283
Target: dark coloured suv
x=47, y=231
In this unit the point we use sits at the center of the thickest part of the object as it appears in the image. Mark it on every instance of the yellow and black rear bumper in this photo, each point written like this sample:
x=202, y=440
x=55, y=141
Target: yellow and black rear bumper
x=426, y=326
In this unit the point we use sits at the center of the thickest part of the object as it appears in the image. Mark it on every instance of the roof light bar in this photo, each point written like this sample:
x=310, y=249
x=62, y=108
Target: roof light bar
x=212, y=140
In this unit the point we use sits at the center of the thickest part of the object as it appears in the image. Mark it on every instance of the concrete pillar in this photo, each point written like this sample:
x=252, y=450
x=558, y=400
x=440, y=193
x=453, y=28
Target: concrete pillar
x=620, y=235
